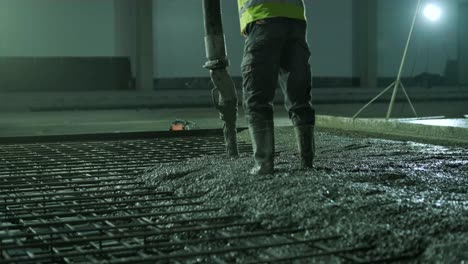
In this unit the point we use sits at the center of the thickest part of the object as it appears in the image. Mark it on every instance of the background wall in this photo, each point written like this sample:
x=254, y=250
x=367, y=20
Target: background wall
x=180, y=48
x=102, y=28
x=179, y=39
x=124, y=27
x=433, y=42
x=57, y=28
x=331, y=37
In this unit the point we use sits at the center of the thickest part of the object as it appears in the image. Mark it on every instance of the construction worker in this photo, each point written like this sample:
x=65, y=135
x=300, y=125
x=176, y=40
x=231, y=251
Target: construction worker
x=276, y=46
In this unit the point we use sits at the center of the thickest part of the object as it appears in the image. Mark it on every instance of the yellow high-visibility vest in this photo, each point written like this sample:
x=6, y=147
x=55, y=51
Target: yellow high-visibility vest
x=252, y=10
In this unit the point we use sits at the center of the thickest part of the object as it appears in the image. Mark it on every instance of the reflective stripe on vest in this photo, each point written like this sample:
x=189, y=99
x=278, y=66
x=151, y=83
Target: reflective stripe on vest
x=251, y=10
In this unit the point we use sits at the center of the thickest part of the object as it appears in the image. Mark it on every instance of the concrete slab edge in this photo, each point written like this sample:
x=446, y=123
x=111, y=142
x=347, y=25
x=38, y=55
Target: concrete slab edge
x=396, y=128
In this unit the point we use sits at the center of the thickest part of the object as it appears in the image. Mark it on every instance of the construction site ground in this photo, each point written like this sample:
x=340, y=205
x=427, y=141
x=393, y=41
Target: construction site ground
x=374, y=196
x=407, y=201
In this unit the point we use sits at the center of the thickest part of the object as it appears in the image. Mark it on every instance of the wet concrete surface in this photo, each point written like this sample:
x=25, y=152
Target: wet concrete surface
x=451, y=122
x=407, y=201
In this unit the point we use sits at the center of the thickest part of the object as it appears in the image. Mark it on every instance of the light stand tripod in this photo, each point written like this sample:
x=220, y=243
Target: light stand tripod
x=397, y=83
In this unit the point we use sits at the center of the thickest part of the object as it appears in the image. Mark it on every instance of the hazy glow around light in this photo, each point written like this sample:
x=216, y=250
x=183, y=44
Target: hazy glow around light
x=432, y=12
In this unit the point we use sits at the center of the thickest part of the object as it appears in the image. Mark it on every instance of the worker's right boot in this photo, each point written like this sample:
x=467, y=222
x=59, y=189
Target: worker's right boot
x=263, y=143
x=305, y=144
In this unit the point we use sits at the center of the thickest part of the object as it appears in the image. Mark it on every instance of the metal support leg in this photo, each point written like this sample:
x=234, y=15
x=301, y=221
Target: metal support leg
x=373, y=99
x=409, y=100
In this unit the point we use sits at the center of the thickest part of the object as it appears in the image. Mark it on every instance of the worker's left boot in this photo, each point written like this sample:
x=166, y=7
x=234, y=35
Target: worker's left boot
x=306, y=144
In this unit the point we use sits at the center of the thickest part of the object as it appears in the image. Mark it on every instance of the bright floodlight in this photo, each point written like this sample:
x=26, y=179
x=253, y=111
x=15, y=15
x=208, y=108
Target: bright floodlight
x=432, y=12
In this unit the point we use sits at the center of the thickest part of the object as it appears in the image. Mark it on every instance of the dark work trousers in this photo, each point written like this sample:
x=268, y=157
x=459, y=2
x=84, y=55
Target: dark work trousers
x=275, y=50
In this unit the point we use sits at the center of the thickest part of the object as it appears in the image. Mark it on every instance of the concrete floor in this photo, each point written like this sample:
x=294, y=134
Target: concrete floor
x=453, y=122
x=56, y=113
x=114, y=112
x=111, y=121
x=101, y=121
x=13, y=124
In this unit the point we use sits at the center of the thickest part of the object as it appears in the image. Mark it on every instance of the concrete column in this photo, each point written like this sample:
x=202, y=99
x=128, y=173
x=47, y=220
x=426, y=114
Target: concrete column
x=365, y=41
x=125, y=30
x=463, y=42
x=144, y=45
x=125, y=26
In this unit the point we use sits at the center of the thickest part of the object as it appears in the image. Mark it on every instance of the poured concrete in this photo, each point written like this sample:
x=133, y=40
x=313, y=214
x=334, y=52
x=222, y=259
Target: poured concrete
x=406, y=200
x=453, y=122
x=434, y=130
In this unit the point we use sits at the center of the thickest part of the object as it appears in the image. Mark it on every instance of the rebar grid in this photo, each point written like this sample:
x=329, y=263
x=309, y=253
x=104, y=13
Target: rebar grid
x=80, y=202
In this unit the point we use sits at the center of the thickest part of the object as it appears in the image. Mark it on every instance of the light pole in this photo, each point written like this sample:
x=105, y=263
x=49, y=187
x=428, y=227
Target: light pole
x=432, y=13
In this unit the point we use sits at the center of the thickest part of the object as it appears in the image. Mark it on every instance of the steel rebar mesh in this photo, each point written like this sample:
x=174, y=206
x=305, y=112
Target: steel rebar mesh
x=80, y=202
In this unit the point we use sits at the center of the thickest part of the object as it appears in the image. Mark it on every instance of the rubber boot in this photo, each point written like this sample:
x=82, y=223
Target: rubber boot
x=263, y=143
x=306, y=144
